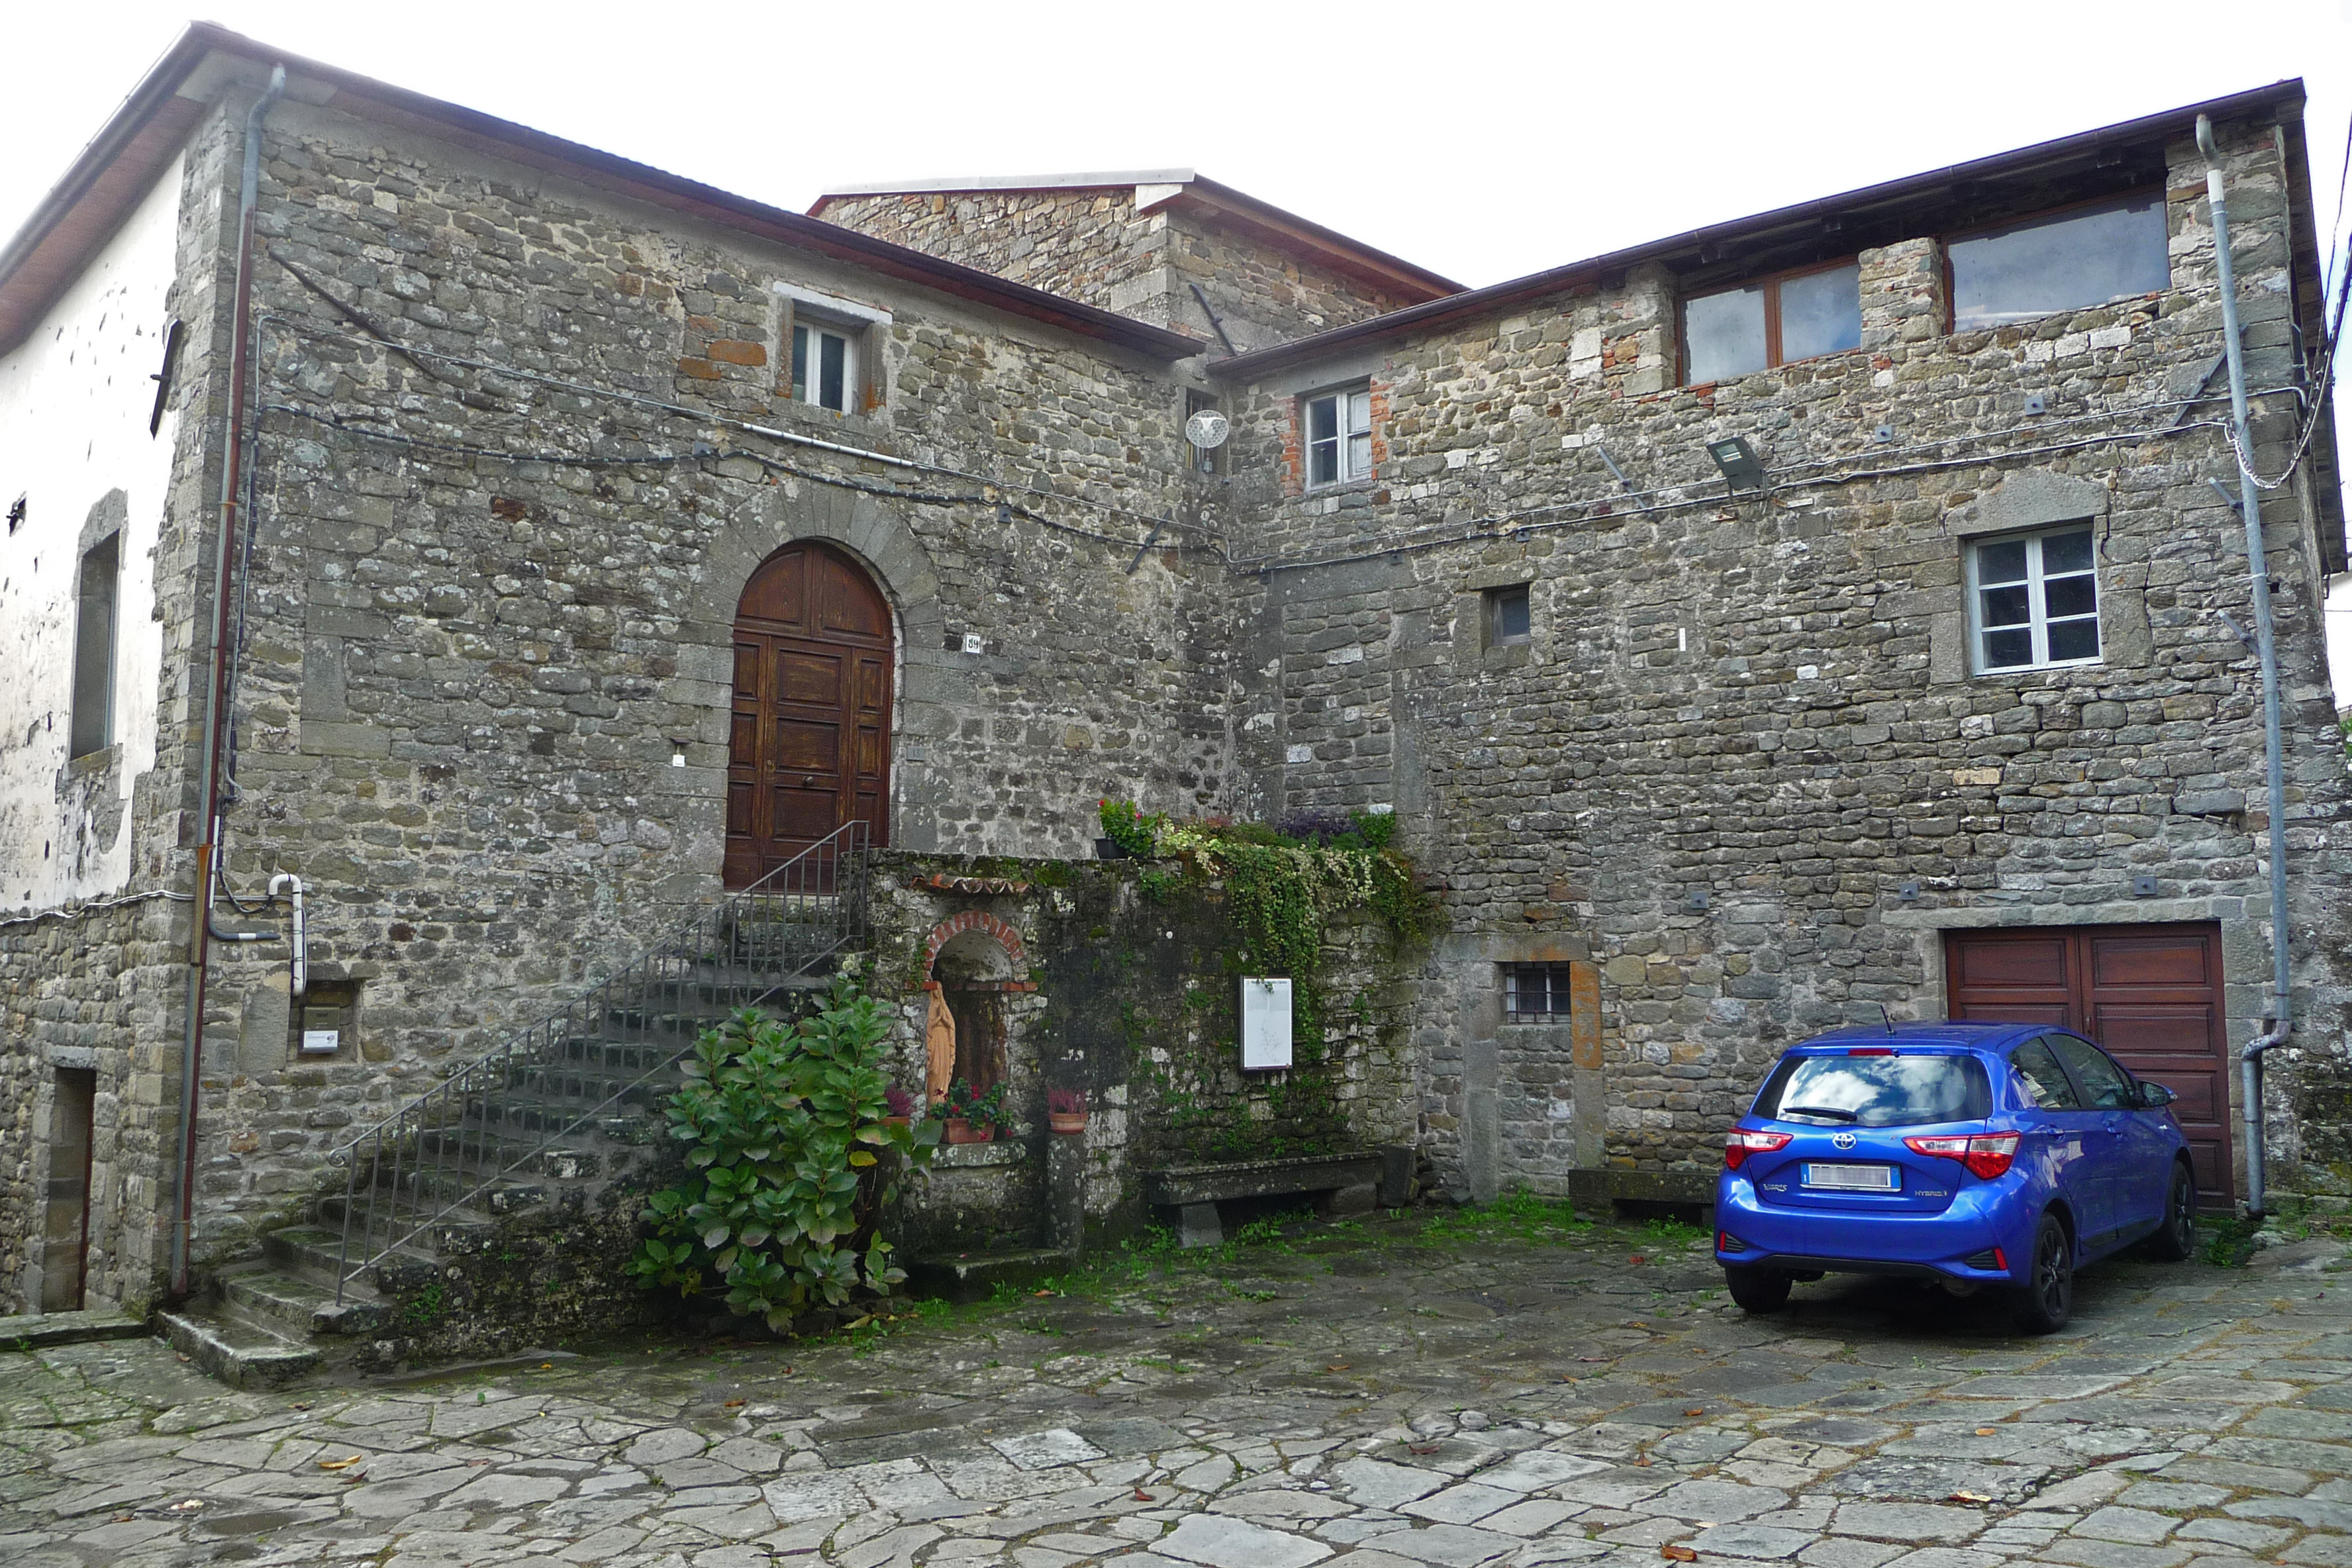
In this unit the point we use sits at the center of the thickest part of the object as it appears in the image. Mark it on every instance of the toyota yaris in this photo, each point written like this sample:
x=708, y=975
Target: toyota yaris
x=1977, y=1155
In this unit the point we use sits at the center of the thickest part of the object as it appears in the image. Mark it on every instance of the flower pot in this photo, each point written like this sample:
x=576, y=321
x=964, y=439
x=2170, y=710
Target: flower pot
x=962, y=1132
x=897, y=1121
x=1108, y=850
x=1066, y=1121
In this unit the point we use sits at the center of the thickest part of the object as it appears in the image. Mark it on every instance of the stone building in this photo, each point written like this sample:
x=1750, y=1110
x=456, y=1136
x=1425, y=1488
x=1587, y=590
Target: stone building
x=598, y=542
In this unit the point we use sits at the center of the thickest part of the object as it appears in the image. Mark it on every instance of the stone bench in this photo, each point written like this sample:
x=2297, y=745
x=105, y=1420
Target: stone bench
x=1339, y=1183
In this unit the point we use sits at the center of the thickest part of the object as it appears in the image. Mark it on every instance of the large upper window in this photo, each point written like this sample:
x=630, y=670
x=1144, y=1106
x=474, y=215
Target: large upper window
x=824, y=365
x=2035, y=598
x=2086, y=256
x=1338, y=437
x=1774, y=320
x=92, y=725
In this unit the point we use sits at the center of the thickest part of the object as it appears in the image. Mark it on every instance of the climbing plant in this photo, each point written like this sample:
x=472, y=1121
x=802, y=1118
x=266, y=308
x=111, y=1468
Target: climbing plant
x=787, y=1128
x=1281, y=889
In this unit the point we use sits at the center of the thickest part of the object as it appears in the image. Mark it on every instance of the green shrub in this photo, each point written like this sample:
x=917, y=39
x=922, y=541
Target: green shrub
x=785, y=1131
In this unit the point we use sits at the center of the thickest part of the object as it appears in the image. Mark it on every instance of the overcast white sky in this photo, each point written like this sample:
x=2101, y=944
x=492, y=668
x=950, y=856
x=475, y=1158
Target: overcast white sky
x=1480, y=139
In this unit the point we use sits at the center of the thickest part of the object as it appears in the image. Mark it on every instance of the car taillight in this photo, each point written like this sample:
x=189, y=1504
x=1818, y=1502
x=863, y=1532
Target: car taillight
x=1738, y=1144
x=1986, y=1154
x=1872, y=1051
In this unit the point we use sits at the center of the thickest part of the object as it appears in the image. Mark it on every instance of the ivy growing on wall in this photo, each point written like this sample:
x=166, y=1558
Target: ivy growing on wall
x=1281, y=889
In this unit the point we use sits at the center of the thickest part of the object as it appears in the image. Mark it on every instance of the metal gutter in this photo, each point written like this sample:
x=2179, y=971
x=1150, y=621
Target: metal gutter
x=1913, y=188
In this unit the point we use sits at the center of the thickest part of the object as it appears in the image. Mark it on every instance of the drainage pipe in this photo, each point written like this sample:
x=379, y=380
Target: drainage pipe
x=215, y=727
x=2282, y=1019
x=298, y=977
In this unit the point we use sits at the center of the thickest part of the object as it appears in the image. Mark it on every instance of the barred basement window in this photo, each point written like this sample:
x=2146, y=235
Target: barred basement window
x=1535, y=993
x=2035, y=599
x=1338, y=437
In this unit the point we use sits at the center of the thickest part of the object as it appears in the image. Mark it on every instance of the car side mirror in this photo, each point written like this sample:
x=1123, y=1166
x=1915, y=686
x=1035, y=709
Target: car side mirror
x=2154, y=1096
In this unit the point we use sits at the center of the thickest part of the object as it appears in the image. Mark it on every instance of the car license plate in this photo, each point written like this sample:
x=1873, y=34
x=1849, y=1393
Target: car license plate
x=1852, y=1178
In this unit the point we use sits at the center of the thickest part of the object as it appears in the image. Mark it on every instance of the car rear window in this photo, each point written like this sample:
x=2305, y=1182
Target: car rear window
x=1876, y=1091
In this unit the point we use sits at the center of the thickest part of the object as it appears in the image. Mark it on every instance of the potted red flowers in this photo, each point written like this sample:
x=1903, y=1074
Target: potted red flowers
x=1066, y=1109
x=970, y=1116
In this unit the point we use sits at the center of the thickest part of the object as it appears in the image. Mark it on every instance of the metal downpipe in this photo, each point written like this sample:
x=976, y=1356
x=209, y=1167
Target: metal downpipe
x=208, y=776
x=2250, y=504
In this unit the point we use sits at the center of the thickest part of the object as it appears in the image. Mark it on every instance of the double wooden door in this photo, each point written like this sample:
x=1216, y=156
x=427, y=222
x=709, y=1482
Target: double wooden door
x=2150, y=993
x=809, y=748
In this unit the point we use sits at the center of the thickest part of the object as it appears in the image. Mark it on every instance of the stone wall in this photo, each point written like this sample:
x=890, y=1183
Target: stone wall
x=1742, y=725
x=1095, y=245
x=1125, y=983
x=484, y=709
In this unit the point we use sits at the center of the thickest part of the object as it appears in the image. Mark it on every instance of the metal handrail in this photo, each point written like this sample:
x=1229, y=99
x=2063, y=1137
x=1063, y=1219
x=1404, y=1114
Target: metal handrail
x=638, y=1020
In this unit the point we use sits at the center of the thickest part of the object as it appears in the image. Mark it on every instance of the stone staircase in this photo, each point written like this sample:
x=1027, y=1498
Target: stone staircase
x=489, y=1208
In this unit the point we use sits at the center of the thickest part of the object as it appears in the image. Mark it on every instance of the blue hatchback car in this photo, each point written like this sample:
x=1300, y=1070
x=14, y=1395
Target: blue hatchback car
x=1972, y=1155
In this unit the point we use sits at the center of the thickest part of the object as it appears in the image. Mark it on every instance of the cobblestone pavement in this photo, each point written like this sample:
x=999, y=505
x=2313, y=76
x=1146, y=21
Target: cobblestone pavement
x=1404, y=1392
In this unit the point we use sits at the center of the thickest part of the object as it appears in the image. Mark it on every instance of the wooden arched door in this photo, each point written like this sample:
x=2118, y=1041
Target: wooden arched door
x=809, y=749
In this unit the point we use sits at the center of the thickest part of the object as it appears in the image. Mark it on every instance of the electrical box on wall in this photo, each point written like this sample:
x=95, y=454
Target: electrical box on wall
x=1266, y=1024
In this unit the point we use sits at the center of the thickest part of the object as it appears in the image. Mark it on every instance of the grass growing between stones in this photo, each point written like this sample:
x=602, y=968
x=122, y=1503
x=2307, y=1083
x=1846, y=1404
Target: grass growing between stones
x=1521, y=1215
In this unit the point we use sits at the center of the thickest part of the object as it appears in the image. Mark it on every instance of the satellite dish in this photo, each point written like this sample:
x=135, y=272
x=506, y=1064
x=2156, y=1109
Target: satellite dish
x=1208, y=429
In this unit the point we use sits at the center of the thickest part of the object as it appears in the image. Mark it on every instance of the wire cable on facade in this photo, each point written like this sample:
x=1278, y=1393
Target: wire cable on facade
x=372, y=333
x=75, y=912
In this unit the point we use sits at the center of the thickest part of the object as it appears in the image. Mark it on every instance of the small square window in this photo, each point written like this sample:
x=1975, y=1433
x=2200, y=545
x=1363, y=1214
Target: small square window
x=1338, y=437
x=824, y=365
x=1506, y=616
x=2034, y=600
x=1535, y=993
x=1771, y=321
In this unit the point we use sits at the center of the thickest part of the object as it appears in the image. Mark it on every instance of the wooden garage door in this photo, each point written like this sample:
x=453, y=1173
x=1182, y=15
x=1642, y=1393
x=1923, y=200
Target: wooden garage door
x=2150, y=994
x=810, y=746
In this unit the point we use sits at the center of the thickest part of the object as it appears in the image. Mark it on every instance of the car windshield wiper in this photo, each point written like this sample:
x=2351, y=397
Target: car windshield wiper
x=1831, y=1111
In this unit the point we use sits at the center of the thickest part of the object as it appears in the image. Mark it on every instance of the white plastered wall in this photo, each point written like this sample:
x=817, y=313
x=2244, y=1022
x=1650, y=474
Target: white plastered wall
x=75, y=399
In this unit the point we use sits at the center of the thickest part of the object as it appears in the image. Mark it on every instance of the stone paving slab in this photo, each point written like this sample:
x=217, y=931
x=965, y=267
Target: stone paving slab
x=1392, y=1393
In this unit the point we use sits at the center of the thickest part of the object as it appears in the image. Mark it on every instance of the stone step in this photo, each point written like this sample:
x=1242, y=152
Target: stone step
x=460, y=1231
x=479, y=1184
x=38, y=1328
x=239, y=1353
x=502, y=1137
x=525, y=1118
x=973, y=1277
x=299, y=1304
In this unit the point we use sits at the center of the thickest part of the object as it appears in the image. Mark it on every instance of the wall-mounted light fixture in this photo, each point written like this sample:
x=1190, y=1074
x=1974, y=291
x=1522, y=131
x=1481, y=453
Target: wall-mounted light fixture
x=1742, y=469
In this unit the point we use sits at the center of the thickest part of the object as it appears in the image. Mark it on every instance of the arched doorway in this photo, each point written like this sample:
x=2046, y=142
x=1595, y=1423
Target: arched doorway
x=809, y=748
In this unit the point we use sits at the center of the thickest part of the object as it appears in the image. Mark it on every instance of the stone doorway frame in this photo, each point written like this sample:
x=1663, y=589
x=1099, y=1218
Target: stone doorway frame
x=923, y=682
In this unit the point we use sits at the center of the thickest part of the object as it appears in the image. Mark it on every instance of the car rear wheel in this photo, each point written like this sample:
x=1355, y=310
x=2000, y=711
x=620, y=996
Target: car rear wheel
x=2176, y=1238
x=2047, y=1300
x=1757, y=1290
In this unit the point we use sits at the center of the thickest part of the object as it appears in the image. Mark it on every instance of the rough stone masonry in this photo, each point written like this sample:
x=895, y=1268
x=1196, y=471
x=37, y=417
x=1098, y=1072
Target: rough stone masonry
x=527, y=419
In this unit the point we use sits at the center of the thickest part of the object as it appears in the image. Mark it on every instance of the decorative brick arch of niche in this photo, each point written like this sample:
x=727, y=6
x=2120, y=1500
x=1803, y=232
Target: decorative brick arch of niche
x=872, y=532
x=987, y=924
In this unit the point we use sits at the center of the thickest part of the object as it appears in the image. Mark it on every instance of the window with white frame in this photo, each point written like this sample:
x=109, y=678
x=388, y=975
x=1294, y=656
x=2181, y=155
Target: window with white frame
x=2034, y=600
x=1338, y=437
x=824, y=365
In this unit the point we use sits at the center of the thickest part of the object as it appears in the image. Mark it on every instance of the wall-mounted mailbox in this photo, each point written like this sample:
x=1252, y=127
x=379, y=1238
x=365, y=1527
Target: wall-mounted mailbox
x=1266, y=1024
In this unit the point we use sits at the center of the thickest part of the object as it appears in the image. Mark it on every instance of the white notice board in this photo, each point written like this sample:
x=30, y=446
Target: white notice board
x=1266, y=1024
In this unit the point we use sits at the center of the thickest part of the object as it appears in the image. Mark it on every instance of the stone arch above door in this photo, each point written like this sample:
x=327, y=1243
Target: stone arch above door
x=809, y=732
x=870, y=529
